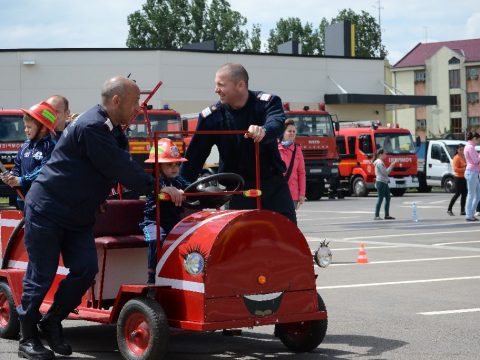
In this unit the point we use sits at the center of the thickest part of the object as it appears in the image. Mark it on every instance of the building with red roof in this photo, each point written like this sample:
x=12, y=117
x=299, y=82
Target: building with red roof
x=448, y=70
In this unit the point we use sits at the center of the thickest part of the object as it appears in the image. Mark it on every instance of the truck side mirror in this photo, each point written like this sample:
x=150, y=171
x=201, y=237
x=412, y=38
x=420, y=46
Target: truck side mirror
x=185, y=125
x=337, y=126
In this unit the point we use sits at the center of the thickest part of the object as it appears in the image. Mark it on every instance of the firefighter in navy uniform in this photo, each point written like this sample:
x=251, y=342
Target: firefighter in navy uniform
x=262, y=115
x=60, y=213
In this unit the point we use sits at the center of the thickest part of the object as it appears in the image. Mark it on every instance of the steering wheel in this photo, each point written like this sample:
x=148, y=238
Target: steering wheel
x=211, y=183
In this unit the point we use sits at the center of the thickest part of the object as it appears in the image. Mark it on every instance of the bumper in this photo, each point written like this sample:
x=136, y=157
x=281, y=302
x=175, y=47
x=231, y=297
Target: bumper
x=403, y=182
x=272, y=320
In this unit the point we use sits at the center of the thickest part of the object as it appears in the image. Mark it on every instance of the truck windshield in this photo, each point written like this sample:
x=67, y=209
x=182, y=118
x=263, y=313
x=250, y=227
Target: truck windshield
x=395, y=143
x=11, y=128
x=159, y=122
x=313, y=125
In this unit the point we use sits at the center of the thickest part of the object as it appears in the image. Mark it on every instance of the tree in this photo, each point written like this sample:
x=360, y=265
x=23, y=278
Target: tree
x=255, y=39
x=225, y=26
x=170, y=24
x=161, y=24
x=292, y=29
x=367, y=34
x=368, y=40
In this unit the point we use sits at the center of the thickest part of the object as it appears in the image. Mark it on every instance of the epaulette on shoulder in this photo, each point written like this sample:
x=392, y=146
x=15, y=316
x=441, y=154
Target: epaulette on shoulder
x=209, y=110
x=264, y=96
x=108, y=123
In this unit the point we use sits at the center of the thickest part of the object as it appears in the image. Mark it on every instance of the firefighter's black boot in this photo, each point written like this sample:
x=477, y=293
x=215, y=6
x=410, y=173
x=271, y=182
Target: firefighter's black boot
x=52, y=330
x=30, y=346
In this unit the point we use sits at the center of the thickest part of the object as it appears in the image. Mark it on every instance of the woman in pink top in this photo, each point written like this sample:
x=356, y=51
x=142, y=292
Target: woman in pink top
x=471, y=175
x=296, y=169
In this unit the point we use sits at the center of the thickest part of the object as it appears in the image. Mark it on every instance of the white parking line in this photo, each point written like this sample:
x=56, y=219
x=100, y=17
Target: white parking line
x=300, y=219
x=408, y=260
x=370, y=247
x=458, y=242
x=397, y=283
x=339, y=211
x=446, y=312
x=313, y=239
x=411, y=234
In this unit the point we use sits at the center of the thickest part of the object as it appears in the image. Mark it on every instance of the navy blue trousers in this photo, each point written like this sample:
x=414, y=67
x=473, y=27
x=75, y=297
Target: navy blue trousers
x=45, y=241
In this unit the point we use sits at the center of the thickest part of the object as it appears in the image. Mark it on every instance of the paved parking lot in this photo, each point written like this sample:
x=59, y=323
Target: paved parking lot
x=417, y=298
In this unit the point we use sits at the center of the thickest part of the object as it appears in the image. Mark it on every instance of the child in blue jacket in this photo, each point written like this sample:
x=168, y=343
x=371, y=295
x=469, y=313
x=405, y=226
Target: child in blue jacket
x=39, y=122
x=170, y=211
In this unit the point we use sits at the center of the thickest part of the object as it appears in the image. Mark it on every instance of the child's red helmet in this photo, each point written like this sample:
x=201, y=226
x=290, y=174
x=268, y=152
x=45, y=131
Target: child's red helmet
x=44, y=113
x=167, y=152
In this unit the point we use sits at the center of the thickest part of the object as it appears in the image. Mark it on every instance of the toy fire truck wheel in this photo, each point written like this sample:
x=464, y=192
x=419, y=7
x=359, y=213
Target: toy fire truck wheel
x=211, y=184
x=303, y=336
x=142, y=330
x=398, y=192
x=9, y=323
x=359, y=187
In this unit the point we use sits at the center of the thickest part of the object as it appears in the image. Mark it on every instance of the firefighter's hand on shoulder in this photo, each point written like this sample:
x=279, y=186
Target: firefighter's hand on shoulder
x=257, y=133
x=175, y=194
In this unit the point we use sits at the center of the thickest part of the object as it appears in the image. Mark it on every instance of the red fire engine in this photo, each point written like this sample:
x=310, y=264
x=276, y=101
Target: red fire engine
x=357, y=147
x=12, y=136
x=316, y=136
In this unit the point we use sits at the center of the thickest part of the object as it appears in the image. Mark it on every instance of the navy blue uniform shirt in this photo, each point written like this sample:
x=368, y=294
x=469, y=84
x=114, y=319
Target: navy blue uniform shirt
x=170, y=214
x=87, y=161
x=30, y=159
x=237, y=154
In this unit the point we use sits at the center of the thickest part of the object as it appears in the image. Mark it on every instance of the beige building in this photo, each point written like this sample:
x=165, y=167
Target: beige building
x=352, y=88
x=448, y=70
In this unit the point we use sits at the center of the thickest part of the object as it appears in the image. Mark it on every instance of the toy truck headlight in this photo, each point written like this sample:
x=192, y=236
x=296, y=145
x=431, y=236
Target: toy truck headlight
x=194, y=263
x=323, y=255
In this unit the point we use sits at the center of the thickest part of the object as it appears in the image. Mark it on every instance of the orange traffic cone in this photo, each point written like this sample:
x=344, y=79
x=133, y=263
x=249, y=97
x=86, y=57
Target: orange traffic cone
x=362, y=255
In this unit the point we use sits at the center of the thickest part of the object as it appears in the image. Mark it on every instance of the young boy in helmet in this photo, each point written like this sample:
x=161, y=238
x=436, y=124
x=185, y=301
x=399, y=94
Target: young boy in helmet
x=170, y=211
x=39, y=121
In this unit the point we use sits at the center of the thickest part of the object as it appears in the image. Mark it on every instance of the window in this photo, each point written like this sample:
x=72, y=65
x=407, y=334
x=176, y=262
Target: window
x=456, y=125
x=351, y=144
x=421, y=123
x=472, y=73
x=340, y=140
x=438, y=152
x=313, y=125
x=420, y=76
x=453, y=61
x=366, y=144
x=472, y=97
x=395, y=143
x=158, y=122
x=473, y=121
x=455, y=103
x=454, y=78
x=11, y=129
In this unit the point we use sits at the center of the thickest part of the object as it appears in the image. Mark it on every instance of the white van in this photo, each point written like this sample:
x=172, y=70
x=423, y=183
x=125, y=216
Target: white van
x=435, y=164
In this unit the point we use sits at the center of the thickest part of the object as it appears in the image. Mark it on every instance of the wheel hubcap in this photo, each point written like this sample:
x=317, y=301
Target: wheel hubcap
x=137, y=334
x=4, y=311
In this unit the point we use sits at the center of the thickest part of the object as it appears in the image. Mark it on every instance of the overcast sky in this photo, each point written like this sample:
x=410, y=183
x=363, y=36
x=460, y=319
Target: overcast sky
x=103, y=23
